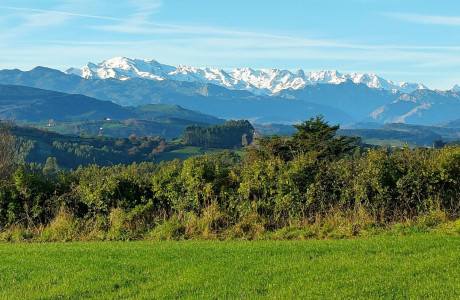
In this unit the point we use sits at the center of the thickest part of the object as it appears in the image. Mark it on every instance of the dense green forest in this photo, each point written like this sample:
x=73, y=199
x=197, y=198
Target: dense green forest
x=233, y=134
x=314, y=183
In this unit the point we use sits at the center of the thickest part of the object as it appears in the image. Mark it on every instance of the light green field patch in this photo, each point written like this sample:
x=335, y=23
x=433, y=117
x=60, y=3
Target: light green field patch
x=387, y=142
x=189, y=150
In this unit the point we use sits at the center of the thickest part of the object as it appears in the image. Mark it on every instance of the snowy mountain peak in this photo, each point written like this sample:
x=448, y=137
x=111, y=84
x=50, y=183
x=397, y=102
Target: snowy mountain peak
x=326, y=77
x=456, y=88
x=123, y=68
x=260, y=82
x=300, y=73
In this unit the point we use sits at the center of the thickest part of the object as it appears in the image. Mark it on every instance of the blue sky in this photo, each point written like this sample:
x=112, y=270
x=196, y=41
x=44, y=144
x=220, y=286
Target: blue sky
x=404, y=40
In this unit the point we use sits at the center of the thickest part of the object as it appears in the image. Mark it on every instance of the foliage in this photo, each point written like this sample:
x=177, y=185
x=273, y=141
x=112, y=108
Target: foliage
x=314, y=135
x=230, y=135
x=311, y=183
x=7, y=150
x=318, y=136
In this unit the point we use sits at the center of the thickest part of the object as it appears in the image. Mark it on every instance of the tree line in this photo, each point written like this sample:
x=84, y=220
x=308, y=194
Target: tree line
x=233, y=134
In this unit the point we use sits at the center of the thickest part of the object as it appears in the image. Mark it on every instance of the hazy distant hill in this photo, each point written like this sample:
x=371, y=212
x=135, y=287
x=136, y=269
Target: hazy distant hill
x=420, y=135
x=274, y=129
x=424, y=107
x=79, y=114
x=31, y=104
x=165, y=112
x=450, y=124
x=357, y=100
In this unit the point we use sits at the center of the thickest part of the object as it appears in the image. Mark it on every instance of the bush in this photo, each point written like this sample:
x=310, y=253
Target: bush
x=120, y=228
x=16, y=233
x=63, y=228
x=251, y=227
x=172, y=229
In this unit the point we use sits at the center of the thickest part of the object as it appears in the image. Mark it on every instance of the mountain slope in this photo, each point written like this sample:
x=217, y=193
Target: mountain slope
x=357, y=100
x=424, y=107
x=31, y=104
x=167, y=112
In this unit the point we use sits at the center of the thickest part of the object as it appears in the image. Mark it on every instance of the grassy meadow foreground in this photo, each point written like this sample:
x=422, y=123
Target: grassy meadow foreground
x=396, y=267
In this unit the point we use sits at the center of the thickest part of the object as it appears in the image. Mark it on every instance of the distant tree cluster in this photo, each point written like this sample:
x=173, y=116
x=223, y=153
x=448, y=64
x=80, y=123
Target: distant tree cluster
x=233, y=134
x=95, y=150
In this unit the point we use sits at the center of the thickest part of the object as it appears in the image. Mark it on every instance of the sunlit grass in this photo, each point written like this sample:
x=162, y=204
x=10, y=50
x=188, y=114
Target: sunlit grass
x=397, y=267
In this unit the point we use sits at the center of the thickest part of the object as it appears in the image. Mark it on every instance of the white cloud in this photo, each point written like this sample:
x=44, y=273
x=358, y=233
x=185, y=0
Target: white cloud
x=425, y=19
x=145, y=8
x=58, y=12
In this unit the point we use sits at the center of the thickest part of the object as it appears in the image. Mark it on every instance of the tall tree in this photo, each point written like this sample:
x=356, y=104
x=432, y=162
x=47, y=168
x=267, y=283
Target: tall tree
x=314, y=135
x=317, y=135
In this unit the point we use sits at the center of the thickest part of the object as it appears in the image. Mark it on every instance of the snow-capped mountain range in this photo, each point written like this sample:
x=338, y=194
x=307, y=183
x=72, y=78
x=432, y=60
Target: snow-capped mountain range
x=259, y=82
x=278, y=96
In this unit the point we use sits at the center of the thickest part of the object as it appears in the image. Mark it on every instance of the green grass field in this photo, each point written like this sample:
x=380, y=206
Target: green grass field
x=389, y=267
x=183, y=153
x=387, y=142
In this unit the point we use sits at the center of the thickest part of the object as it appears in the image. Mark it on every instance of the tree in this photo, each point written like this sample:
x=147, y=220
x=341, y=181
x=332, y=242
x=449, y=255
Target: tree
x=51, y=168
x=7, y=150
x=275, y=146
x=314, y=135
x=317, y=135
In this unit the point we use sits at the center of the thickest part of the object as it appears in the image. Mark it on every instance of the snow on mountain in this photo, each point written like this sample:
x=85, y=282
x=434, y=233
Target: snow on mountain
x=123, y=68
x=259, y=82
x=456, y=88
x=268, y=81
x=205, y=75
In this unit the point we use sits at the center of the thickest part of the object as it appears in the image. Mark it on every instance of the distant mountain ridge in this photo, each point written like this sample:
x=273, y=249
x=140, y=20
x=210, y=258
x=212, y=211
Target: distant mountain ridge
x=259, y=82
x=207, y=98
x=350, y=104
